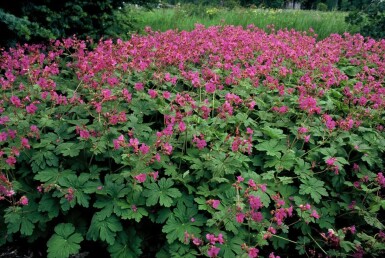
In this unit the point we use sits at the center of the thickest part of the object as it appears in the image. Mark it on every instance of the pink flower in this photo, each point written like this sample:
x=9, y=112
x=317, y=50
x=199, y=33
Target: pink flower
x=155, y=175
x=302, y=130
x=210, y=87
x=215, y=203
x=255, y=202
x=253, y=252
x=3, y=136
x=106, y=93
x=240, y=179
x=182, y=126
x=141, y=177
x=314, y=214
x=25, y=143
x=139, y=86
x=23, y=200
x=213, y=251
x=331, y=161
x=152, y=93
x=11, y=161
x=251, y=183
x=251, y=105
x=381, y=180
x=144, y=149
x=166, y=94
x=200, y=142
x=211, y=238
x=84, y=134
x=220, y=239
x=15, y=101
x=271, y=255
x=306, y=138
x=240, y=217
x=31, y=109
x=272, y=230
x=167, y=148
x=197, y=241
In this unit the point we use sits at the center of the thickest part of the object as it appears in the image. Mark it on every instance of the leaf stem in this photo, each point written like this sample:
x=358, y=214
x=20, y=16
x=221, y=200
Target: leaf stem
x=283, y=238
x=317, y=244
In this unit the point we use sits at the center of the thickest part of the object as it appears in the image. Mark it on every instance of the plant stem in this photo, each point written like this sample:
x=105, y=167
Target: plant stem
x=283, y=238
x=317, y=244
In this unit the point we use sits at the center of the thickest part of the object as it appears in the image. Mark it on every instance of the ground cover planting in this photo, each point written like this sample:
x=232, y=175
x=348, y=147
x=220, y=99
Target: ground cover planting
x=220, y=142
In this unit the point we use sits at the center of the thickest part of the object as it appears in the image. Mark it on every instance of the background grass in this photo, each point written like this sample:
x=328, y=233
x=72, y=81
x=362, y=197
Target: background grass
x=184, y=18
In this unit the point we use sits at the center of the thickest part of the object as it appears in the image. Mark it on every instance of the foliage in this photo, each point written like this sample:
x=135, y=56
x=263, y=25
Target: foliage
x=218, y=142
x=322, y=7
x=185, y=17
x=22, y=21
x=370, y=20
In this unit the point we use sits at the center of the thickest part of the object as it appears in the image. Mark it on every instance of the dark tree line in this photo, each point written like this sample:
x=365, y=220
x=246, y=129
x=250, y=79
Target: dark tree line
x=32, y=21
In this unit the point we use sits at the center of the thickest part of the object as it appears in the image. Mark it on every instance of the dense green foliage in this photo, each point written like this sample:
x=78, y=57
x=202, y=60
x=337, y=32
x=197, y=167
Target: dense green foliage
x=218, y=142
x=371, y=19
x=30, y=21
x=186, y=16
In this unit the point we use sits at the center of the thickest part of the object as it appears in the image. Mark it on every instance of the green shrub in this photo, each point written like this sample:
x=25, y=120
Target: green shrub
x=322, y=7
x=371, y=20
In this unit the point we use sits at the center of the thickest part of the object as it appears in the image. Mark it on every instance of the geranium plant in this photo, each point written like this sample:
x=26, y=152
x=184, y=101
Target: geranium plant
x=219, y=142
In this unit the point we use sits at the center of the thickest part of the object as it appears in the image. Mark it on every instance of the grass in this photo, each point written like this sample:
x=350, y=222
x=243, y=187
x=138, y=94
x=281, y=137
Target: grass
x=323, y=23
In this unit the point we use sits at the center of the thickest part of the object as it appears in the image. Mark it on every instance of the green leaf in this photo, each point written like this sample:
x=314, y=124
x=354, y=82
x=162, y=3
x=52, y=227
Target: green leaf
x=49, y=205
x=314, y=188
x=161, y=193
x=104, y=229
x=69, y=149
x=18, y=220
x=232, y=247
x=374, y=221
x=126, y=245
x=64, y=242
x=272, y=147
x=184, y=219
x=48, y=175
x=274, y=133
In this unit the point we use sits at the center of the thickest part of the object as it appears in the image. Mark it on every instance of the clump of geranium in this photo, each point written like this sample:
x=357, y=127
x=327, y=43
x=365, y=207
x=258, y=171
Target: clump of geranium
x=156, y=129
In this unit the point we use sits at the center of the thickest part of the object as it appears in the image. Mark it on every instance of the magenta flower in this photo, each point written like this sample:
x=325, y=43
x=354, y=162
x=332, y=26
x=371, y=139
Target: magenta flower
x=182, y=126
x=23, y=200
x=302, y=130
x=213, y=251
x=31, y=109
x=141, y=177
x=144, y=149
x=139, y=86
x=84, y=134
x=240, y=179
x=154, y=175
x=11, y=161
x=153, y=94
x=314, y=214
x=3, y=136
x=25, y=143
x=166, y=94
x=251, y=183
x=381, y=180
x=210, y=87
x=253, y=252
x=331, y=161
x=240, y=217
x=215, y=203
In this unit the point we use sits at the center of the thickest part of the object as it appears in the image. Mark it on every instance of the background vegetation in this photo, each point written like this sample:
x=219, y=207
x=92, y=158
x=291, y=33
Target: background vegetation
x=34, y=21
